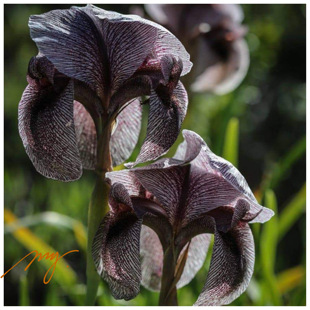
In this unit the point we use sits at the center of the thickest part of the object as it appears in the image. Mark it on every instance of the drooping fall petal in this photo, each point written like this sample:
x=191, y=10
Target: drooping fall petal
x=164, y=123
x=231, y=267
x=116, y=253
x=46, y=127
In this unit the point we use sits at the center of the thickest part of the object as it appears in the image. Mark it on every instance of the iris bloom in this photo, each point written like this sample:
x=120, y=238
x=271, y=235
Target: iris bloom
x=84, y=87
x=213, y=35
x=178, y=203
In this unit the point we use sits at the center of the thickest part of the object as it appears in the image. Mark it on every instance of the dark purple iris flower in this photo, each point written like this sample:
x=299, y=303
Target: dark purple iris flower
x=172, y=206
x=213, y=35
x=92, y=69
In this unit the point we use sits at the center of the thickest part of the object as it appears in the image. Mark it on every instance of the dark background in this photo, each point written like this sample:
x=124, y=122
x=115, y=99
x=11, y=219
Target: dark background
x=270, y=105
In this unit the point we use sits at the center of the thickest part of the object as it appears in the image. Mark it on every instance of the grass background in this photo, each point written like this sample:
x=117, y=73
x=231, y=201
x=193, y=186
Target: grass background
x=260, y=127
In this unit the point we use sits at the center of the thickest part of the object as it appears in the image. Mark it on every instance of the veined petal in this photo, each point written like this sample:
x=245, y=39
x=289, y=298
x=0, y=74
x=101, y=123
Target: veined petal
x=71, y=40
x=166, y=185
x=128, y=179
x=231, y=267
x=46, y=127
x=123, y=140
x=166, y=42
x=86, y=136
x=152, y=259
x=126, y=134
x=128, y=42
x=190, y=148
x=152, y=256
x=164, y=123
x=197, y=253
x=219, y=183
x=116, y=253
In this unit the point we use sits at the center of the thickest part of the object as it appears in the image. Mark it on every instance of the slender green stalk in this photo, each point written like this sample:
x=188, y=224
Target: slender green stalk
x=98, y=207
x=168, y=292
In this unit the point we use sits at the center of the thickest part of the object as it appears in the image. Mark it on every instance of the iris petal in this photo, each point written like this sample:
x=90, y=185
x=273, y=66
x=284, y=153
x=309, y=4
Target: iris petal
x=126, y=134
x=46, y=127
x=116, y=253
x=231, y=267
x=164, y=123
x=152, y=259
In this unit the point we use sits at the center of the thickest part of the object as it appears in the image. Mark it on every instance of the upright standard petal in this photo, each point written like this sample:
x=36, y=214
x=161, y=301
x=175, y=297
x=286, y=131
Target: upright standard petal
x=166, y=42
x=71, y=40
x=116, y=253
x=228, y=183
x=101, y=52
x=46, y=127
x=231, y=267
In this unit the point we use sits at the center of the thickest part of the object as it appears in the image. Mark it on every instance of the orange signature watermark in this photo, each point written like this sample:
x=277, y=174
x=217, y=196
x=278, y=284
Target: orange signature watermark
x=47, y=256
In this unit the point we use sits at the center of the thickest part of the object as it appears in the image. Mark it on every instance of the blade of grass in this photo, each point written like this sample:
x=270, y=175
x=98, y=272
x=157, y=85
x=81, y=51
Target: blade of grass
x=52, y=218
x=281, y=168
x=292, y=212
x=23, y=291
x=268, y=247
x=230, y=148
x=291, y=278
x=64, y=274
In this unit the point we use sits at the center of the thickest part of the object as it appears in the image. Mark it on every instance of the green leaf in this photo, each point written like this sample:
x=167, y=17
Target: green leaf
x=283, y=166
x=23, y=291
x=55, y=219
x=292, y=212
x=268, y=247
x=64, y=274
x=230, y=149
x=291, y=278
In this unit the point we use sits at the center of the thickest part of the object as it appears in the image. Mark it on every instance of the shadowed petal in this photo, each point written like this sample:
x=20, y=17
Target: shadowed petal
x=197, y=253
x=126, y=134
x=151, y=252
x=166, y=185
x=123, y=140
x=128, y=179
x=116, y=254
x=86, y=136
x=46, y=127
x=164, y=123
x=231, y=267
x=152, y=259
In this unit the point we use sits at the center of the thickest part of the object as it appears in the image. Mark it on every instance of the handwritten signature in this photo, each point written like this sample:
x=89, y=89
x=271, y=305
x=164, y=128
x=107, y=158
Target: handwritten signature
x=47, y=256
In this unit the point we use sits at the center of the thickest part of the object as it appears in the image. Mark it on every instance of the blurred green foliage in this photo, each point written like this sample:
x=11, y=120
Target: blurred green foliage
x=260, y=126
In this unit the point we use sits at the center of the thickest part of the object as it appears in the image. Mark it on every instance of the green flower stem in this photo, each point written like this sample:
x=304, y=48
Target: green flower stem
x=98, y=207
x=168, y=292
